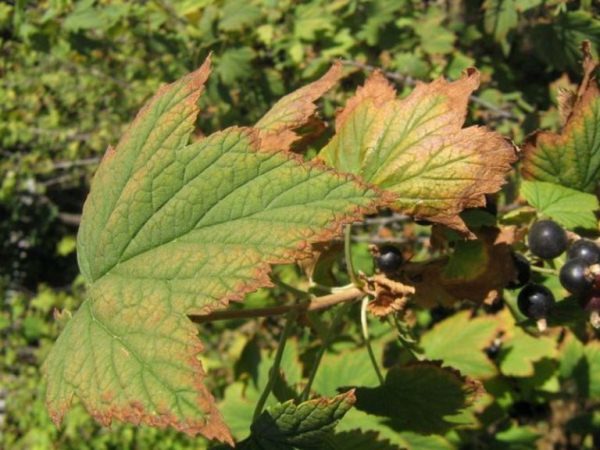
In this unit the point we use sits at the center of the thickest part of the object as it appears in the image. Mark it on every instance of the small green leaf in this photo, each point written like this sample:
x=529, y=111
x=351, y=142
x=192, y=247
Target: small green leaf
x=570, y=208
x=459, y=342
x=235, y=64
x=436, y=38
x=307, y=425
x=235, y=15
x=518, y=437
x=521, y=351
x=501, y=17
x=422, y=397
x=564, y=35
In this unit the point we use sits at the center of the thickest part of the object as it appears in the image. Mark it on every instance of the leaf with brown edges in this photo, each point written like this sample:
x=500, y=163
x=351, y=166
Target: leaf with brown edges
x=277, y=127
x=571, y=158
x=171, y=229
x=416, y=149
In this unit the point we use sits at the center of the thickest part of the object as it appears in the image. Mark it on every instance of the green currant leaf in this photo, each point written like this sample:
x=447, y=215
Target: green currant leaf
x=570, y=208
x=459, y=342
x=564, y=35
x=520, y=351
x=581, y=363
x=501, y=17
x=421, y=397
x=171, y=229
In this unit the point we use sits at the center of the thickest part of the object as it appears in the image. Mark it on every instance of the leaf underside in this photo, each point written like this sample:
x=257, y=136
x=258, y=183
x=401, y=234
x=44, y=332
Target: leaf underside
x=416, y=149
x=171, y=229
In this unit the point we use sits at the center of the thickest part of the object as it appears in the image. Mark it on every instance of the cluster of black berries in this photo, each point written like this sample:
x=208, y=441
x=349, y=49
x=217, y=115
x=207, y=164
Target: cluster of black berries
x=579, y=275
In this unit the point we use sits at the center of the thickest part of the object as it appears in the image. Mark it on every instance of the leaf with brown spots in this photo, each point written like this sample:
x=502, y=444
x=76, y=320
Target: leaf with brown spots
x=416, y=149
x=171, y=229
x=571, y=158
x=277, y=127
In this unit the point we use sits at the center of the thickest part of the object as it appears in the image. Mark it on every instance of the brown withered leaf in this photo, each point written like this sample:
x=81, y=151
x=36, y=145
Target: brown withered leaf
x=389, y=295
x=478, y=270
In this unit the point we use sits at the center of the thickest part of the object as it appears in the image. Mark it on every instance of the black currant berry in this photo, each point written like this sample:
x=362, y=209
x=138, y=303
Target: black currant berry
x=585, y=249
x=575, y=276
x=535, y=301
x=523, y=271
x=547, y=239
x=390, y=258
x=493, y=349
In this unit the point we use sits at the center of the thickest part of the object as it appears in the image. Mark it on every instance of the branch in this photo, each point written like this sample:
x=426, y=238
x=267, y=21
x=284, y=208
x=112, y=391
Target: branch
x=410, y=81
x=62, y=165
x=69, y=219
x=316, y=304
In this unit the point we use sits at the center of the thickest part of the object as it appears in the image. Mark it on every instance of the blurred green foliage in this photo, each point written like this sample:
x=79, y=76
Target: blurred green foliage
x=73, y=74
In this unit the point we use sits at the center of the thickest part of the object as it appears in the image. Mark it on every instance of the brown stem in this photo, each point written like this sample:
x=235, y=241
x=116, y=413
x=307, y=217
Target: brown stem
x=315, y=304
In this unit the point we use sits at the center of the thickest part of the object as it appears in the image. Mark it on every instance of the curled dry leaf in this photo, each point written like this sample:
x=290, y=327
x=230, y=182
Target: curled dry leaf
x=416, y=149
x=171, y=229
x=389, y=296
x=571, y=158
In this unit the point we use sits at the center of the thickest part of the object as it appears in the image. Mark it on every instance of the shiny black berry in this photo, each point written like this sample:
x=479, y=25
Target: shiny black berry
x=575, y=276
x=586, y=250
x=389, y=259
x=523, y=271
x=535, y=301
x=547, y=239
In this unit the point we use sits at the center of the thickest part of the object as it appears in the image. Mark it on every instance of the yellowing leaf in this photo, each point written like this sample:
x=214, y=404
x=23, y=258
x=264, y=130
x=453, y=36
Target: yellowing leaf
x=171, y=229
x=521, y=350
x=294, y=110
x=571, y=158
x=416, y=150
